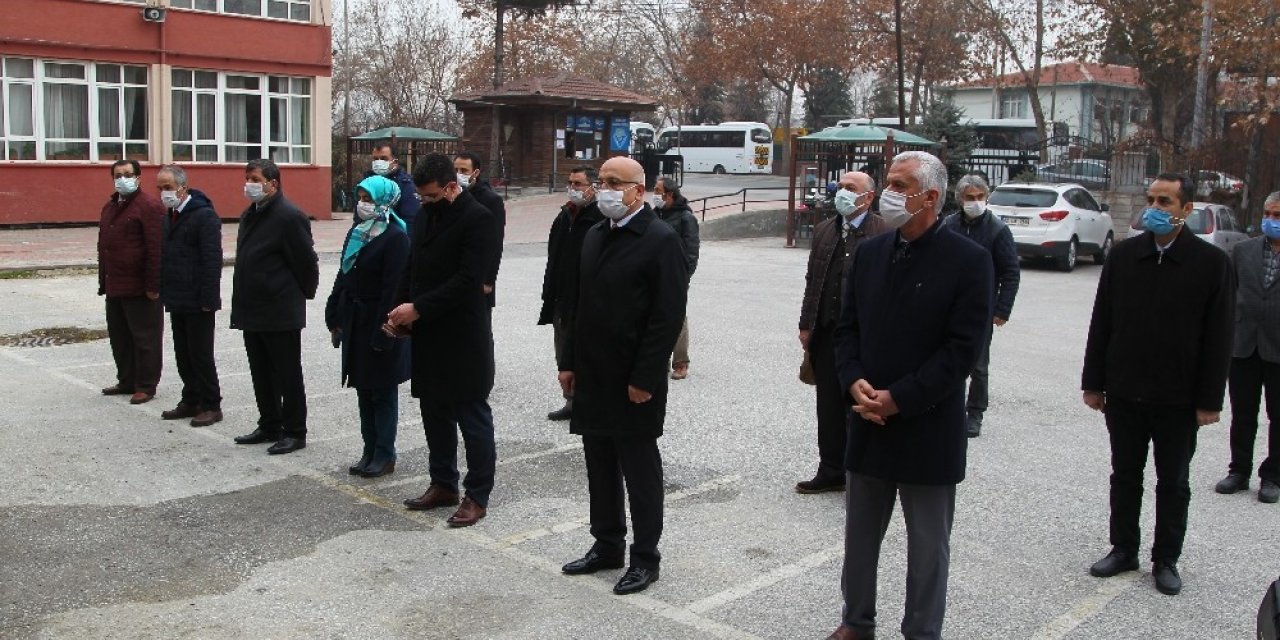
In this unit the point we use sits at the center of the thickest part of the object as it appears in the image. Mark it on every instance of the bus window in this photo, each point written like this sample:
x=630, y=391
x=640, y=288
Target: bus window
x=761, y=136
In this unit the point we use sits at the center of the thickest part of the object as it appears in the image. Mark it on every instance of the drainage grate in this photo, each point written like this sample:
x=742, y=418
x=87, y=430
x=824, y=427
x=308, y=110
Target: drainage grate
x=52, y=337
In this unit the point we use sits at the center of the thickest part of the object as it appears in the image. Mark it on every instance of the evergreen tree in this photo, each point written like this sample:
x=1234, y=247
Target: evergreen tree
x=827, y=95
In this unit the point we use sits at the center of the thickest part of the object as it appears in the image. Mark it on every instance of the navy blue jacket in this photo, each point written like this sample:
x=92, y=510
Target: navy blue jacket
x=484, y=193
x=993, y=235
x=358, y=306
x=191, y=257
x=914, y=322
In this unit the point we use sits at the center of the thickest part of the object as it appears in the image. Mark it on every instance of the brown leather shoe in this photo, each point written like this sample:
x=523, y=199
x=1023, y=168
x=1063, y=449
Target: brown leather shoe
x=117, y=390
x=843, y=632
x=141, y=397
x=467, y=514
x=183, y=410
x=436, y=496
x=680, y=371
x=206, y=418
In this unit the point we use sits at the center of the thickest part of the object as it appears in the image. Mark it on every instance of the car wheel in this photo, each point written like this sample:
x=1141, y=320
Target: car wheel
x=1101, y=256
x=1067, y=261
x=719, y=170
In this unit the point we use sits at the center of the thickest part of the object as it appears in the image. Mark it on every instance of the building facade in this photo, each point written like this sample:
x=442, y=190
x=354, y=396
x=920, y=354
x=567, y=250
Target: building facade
x=211, y=85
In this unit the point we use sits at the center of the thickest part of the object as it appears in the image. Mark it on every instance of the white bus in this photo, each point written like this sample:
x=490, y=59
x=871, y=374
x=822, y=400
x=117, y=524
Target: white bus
x=729, y=147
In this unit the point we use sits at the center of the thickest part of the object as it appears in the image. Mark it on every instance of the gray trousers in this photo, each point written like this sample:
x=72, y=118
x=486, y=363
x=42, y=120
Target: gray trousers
x=929, y=511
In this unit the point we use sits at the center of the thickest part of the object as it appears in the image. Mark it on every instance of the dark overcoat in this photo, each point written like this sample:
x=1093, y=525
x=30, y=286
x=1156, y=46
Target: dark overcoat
x=485, y=194
x=913, y=322
x=276, y=268
x=564, y=252
x=632, y=291
x=451, y=250
x=358, y=307
x=191, y=262
x=1257, y=312
x=129, y=245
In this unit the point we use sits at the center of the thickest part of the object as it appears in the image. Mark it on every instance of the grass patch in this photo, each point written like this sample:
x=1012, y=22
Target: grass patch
x=19, y=274
x=31, y=274
x=52, y=337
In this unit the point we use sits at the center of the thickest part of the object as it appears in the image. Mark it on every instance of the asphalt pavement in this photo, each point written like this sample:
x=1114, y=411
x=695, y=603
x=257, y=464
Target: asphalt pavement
x=116, y=524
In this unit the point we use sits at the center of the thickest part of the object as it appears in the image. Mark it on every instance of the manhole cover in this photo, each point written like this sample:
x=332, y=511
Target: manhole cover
x=52, y=337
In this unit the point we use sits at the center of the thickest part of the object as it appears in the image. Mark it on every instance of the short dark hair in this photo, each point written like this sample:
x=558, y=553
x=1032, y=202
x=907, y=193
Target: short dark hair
x=137, y=170
x=387, y=144
x=268, y=168
x=669, y=185
x=469, y=155
x=1186, y=188
x=590, y=171
x=434, y=167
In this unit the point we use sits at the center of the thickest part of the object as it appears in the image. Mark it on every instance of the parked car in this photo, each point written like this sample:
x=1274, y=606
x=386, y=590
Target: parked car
x=1056, y=221
x=1214, y=223
x=1091, y=174
x=1209, y=181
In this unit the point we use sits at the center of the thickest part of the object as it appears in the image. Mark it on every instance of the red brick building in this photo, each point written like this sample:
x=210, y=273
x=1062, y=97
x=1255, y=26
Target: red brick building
x=216, y=83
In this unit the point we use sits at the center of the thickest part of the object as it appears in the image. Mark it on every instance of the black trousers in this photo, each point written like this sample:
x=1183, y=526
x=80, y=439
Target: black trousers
x=979, y=381
x=135, y=327
x=442, y=420
x=193, y=349
x=275, y=364
x=633, y=465
x=1249, y=376
x=1172, y=432
x=832, y=407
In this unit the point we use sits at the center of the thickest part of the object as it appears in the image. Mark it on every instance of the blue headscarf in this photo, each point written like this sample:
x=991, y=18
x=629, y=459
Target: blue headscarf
x=385, y=194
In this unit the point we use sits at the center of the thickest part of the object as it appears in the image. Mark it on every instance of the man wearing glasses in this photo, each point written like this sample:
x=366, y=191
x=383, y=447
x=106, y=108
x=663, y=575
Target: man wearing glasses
x=564, y=248
x=630, y=307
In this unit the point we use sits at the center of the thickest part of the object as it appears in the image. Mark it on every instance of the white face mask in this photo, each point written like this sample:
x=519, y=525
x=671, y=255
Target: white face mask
x=382, y=167
x=578, y=197
x=974, y=209
x=170, y=199
x=253, y=191
x=656, y=201
x=464, y=180
x=846, y=202
x=366, y=210
x=126, y=186
x=893, y=208
x=611, y=205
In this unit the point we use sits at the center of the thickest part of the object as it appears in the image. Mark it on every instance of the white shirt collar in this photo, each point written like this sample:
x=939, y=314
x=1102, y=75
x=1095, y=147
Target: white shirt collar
x=623, y=222
x=858, y=219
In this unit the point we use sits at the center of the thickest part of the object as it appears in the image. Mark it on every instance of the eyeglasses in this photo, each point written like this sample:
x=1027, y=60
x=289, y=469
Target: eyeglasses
x=579, y=185
x=612, y=184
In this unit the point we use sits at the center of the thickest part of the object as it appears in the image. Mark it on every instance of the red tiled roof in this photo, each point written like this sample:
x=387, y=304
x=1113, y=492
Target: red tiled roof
x=562, y=85
x=1067, y=73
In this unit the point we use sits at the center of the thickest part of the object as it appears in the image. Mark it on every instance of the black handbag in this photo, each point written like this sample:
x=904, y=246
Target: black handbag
x=1269, y=614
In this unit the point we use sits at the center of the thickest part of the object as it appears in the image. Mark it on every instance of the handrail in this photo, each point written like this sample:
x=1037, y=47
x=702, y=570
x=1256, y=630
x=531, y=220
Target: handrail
x=742, y=204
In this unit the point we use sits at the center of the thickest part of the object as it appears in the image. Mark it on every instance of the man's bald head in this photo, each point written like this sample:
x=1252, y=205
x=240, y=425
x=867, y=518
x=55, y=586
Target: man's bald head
x=861, y=182
x=624, y=169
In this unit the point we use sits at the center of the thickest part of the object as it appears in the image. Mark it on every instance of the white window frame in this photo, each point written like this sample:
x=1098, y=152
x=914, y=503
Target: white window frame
x=39, y=137
x=292, y=8
x=297, y=146
x=1009, y=100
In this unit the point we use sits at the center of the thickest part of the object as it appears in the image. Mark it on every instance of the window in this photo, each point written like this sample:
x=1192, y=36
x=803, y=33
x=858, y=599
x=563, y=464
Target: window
x=57, y=110
x=224, y=117
x=1013, y=106
x=299, y=10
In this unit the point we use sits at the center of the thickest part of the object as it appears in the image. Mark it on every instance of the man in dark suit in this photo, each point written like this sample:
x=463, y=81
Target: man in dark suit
x=631, y=304
x=1255, y=362
x=444, y=306
x=467, y=165
x=1156, y=366
x=564, y=250
x=834, y=240
x=276, y=272
x=917, y=304
x=191, y=290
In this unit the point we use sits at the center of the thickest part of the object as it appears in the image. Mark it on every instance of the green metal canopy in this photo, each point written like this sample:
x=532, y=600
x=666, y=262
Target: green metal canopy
x=866, y=134
x=404, y=133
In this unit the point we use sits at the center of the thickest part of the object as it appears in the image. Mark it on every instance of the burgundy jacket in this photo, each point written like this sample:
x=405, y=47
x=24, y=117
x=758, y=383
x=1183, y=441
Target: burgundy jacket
x=129, y=239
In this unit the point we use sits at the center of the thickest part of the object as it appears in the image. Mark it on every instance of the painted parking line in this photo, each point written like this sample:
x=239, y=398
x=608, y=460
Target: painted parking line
x=1064, y=624
x=785, y=572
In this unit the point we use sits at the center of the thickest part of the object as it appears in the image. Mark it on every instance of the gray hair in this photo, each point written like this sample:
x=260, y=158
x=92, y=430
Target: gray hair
x=930, y=174
x=1274, y=198
x=971, y=180
x=179, y=174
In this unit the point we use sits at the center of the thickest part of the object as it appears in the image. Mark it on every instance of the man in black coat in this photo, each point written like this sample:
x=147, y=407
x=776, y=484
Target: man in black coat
x=467, y=165
x=191, y=290
x=564, y=251
x=444, y=306
x=276, y=272
x=1156, y=365
x=385, y=162
x=917, y=304
x=976, y=223
x=673, y=208
x=631, y=303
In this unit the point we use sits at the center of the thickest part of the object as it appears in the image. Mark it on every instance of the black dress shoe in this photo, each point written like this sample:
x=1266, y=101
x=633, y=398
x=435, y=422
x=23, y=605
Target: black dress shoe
x=117, y=390
x=379, y=469
x=635, y=580
x=591, y=563
x=1167, y=580
x=1269, y=492
x=821, y=483
x=1115, y=563
x=287, y=444
x=258, y=437
x=359, y=467
x=973, y=425
x=1232, y=483
x=563, y=413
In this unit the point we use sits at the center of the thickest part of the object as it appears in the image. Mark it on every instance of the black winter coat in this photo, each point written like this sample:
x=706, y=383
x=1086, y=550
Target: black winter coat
x=631, y=305
x=564, y=253
x=993, y=235
x=452, y=248
x=1162, y=325
x=276, y=269
x=358, y=307
x=483, y=192
x=914, y=326
x=681, y=218
x=191, y=262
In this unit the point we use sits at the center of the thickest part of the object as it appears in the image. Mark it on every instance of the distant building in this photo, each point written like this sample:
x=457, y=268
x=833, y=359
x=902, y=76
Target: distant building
x=1104, y=103
x=213, y=84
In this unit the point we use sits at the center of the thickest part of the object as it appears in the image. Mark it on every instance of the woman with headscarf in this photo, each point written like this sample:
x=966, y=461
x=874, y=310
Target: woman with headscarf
x=373, y=258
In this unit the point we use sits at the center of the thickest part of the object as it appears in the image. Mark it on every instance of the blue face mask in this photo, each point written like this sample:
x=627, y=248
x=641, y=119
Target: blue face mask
x=1271, y=227
x=1158, y=221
